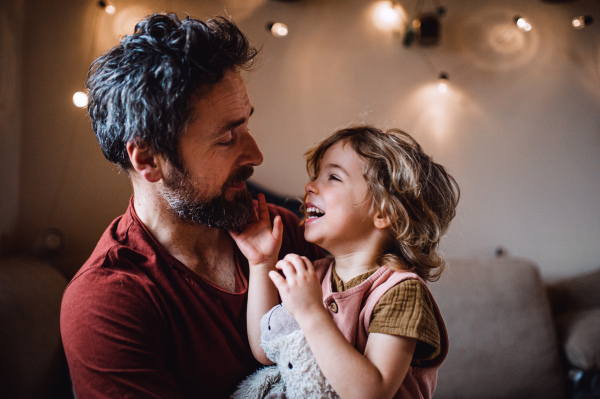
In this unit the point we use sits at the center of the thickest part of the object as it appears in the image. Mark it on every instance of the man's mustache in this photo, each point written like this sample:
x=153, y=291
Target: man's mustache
x=241, y=175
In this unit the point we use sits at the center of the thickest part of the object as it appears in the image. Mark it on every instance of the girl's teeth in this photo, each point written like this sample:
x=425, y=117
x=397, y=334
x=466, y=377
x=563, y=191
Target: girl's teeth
x=314, y=212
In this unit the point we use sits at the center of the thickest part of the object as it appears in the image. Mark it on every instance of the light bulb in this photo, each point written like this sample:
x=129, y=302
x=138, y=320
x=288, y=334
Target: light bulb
x=80, y=99
x=386, y=16
x=108, y=6
x=582, y=21
x=443, y=82
x=279, y=29
x=522, y=23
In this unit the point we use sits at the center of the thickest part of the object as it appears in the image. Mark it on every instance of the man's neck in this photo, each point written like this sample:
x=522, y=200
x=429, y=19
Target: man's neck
x=206, y=251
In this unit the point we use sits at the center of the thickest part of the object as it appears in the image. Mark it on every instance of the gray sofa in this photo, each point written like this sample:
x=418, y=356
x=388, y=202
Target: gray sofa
x=502, y=327
x=502, y=322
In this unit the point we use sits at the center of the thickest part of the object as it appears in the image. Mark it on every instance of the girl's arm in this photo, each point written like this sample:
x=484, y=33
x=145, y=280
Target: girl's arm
x=260, y=244
x=377, y=374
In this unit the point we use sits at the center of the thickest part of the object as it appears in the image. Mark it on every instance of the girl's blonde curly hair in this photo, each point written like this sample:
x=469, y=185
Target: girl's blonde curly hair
x=417, y=194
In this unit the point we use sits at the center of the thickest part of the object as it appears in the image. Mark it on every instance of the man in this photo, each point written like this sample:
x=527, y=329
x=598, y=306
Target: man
x=159, y=308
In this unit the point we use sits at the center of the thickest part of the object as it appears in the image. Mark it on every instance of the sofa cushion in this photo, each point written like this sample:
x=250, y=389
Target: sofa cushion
x=580, y=333
x=503, y=342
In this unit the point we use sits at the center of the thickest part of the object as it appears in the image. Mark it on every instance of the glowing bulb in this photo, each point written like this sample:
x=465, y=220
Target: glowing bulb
x=443, y=83
x=279, y=29
x=443, y=87
x=582, y=21
x=386, y=16
x=523, y=24
x=80, y=99
x=108, y=7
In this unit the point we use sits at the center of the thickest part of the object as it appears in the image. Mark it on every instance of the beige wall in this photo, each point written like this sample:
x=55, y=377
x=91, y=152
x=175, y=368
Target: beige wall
x=519, y=129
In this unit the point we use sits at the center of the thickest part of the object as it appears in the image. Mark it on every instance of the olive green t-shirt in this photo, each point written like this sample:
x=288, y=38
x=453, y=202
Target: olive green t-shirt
x=405, y=310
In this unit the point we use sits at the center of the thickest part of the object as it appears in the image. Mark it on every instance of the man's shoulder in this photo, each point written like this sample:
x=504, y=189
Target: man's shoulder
x=114, y=265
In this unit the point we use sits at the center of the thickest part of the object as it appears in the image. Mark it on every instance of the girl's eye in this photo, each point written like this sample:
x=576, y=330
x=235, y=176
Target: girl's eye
x=334, y=177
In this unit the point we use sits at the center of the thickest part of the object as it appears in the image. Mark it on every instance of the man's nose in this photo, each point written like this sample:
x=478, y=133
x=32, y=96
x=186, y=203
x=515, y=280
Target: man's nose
x=251, y=153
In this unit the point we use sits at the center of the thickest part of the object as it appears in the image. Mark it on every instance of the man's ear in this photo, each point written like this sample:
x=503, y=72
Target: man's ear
x=144, y=160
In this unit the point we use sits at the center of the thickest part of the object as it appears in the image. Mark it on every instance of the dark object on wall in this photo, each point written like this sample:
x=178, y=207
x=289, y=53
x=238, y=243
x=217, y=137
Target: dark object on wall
x=429, y=30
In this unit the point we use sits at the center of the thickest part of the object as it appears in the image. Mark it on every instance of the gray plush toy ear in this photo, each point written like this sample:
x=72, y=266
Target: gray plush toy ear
x=276, y=323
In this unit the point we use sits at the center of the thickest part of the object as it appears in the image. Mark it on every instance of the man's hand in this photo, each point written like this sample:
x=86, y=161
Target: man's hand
x=259, y=242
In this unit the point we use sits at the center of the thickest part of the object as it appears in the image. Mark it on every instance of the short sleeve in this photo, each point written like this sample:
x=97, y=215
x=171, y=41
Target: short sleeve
x=407, y=310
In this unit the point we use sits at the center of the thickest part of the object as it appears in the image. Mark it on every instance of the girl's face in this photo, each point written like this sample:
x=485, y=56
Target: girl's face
x=337, y=205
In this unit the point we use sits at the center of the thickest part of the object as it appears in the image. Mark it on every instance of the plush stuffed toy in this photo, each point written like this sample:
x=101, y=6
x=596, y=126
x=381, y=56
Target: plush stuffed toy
x=295, y=374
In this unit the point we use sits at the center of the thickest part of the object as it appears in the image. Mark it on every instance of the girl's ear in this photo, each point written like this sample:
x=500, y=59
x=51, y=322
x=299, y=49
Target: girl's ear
x=381, y=221
x=144, y=160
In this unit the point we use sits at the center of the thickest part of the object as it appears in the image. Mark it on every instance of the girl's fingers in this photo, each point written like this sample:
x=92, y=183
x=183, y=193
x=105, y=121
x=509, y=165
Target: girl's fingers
x=263, y=209
x=300, y=263
x=288, y=269
x=308, y=264
x=277, y=227
x=277, y=280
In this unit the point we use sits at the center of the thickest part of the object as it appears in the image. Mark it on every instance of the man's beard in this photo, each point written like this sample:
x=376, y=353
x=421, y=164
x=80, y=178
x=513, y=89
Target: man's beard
x=217, y=211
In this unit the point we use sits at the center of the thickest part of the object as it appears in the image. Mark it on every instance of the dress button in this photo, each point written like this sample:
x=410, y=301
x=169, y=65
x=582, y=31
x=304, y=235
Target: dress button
x=333, y=307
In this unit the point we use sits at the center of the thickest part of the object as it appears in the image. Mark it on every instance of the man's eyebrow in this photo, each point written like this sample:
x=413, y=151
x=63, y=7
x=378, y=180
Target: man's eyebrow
x=233, y=124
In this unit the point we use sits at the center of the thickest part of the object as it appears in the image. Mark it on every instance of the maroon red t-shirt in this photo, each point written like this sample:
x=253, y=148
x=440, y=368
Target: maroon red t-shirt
x=136, y=322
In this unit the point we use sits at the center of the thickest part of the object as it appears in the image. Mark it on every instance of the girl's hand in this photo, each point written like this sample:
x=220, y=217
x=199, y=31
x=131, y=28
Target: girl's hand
x=300, y=290
x=259, y=242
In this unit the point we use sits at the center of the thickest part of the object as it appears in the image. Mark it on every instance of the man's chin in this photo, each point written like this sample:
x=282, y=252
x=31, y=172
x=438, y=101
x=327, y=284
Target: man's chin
x=226, y=212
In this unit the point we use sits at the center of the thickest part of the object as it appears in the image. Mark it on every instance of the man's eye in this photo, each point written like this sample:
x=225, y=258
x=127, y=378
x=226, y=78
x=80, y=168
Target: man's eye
x=227, y=143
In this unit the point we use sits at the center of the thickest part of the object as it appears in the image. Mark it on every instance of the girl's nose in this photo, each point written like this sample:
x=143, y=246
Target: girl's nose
x=310, y=187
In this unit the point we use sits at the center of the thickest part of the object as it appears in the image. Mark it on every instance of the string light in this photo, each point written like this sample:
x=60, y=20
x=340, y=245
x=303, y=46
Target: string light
x=278, y=29
x=522, y=23
x=582, y=21
x=80, y=99
x=385, y=15
x=443, y=82
x=388, y=16
x=108, y=6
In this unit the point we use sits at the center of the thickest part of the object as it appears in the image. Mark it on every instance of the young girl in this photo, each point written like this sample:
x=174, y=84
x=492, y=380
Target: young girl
x=379, y=205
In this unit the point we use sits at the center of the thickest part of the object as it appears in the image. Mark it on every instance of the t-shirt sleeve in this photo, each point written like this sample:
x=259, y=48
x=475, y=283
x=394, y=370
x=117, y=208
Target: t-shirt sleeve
x=113, y=338
x=407, y=310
